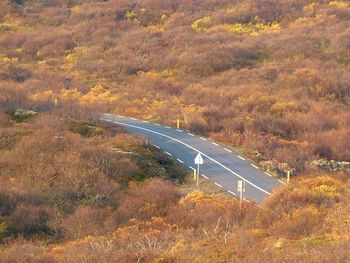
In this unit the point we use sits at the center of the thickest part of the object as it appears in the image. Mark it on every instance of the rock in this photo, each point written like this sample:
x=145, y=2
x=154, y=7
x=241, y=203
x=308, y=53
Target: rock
x=277, y=168
x=22, y=114
x=330, y=165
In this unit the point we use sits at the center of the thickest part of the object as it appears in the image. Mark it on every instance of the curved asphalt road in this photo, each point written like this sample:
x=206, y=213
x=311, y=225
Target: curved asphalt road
x=221, y=165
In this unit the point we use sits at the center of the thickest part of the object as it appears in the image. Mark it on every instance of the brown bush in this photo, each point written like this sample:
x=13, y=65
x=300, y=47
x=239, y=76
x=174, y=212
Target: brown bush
x=29, y=220
x=154, y=198
x=86, y=221
x=300, y=223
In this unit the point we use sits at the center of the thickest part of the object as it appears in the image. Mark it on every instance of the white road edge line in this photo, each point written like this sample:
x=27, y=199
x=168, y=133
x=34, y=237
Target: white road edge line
x=281, y=181
x=204, y=139
x=256, y=167
x=218, y=184
x=246, y=200
x=157, y=124
x=240, y=157
x=189, y=146
x=168, y=153
x=167, y=127
x=156, y=146
x=206, y=177
x=228, y=150
x=232, y=193
x=133, y=119
x=180, y=160
x=268, y=174
x=179, y=130
x=192, y=168
x=146, y=121
x=190, y=134
x=215, y=143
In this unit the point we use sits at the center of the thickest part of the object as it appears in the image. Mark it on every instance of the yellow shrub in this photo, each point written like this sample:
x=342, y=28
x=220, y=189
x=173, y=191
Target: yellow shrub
x=9, y=60
x=247, y=29
x=253, y=28
x=324, y=183
x=338, y=4
x=282, y=107
x=310, y=7
x=202, y=24
x=196, y=196
x=70, y=58
x=98, y=94
x=130, y=15
x=72, y=94
x=47, y=95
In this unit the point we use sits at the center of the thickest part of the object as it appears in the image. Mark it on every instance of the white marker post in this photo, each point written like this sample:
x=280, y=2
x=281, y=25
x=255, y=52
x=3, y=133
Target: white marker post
x=198, y=160
x=241, y=190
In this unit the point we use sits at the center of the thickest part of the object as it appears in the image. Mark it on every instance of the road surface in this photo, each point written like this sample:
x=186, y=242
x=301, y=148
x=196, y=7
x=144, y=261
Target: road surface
x=222, y=165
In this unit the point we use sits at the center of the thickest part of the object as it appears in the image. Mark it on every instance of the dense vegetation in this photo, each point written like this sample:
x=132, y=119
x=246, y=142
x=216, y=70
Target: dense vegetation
x=77, y=192
x=271, y=77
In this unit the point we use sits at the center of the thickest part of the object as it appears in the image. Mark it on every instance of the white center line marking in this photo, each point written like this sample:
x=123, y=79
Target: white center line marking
x=206, y=177
x=281, y=181
x=192, y=148
x=168, y=153
x=228, y=150
x=156, y=146
x=268, y=174
x=256, y=167
x=240, y=157
x=204, y=139
x=192, y=168
x=190, y=134
x=232, y=193
x=218, y=184
x=180, y=160
x=215, y=143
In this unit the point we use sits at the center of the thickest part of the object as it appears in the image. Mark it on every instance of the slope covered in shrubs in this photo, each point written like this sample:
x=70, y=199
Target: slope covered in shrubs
x=271, y=77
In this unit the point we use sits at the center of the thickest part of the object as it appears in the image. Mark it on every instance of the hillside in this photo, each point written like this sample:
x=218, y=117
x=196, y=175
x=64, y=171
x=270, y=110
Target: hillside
x=271, y=78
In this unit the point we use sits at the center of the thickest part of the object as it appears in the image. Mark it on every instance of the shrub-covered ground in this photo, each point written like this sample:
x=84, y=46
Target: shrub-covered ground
x=271, y=77
x=74, y=191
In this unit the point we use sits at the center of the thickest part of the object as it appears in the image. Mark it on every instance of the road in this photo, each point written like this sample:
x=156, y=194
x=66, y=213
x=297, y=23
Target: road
x=222, y=165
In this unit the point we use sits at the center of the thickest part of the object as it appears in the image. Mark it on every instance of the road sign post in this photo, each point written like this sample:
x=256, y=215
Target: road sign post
x=241, y=190
x=198, y=160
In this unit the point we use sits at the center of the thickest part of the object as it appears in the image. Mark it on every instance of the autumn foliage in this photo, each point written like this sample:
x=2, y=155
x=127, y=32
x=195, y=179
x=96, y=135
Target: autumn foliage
x=270, y=77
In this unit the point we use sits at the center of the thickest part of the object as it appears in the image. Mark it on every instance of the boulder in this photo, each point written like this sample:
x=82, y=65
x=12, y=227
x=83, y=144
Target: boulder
x=330, y=165
x=277, y=168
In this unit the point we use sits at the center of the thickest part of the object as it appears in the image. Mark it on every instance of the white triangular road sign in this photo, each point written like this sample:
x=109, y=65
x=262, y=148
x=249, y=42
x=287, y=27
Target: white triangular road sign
x=198, y=159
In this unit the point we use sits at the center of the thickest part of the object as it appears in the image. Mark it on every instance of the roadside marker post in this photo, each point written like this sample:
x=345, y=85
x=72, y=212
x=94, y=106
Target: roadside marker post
x=198, y=160
x=288, y=176
x=241, y=190
x=178, y=124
